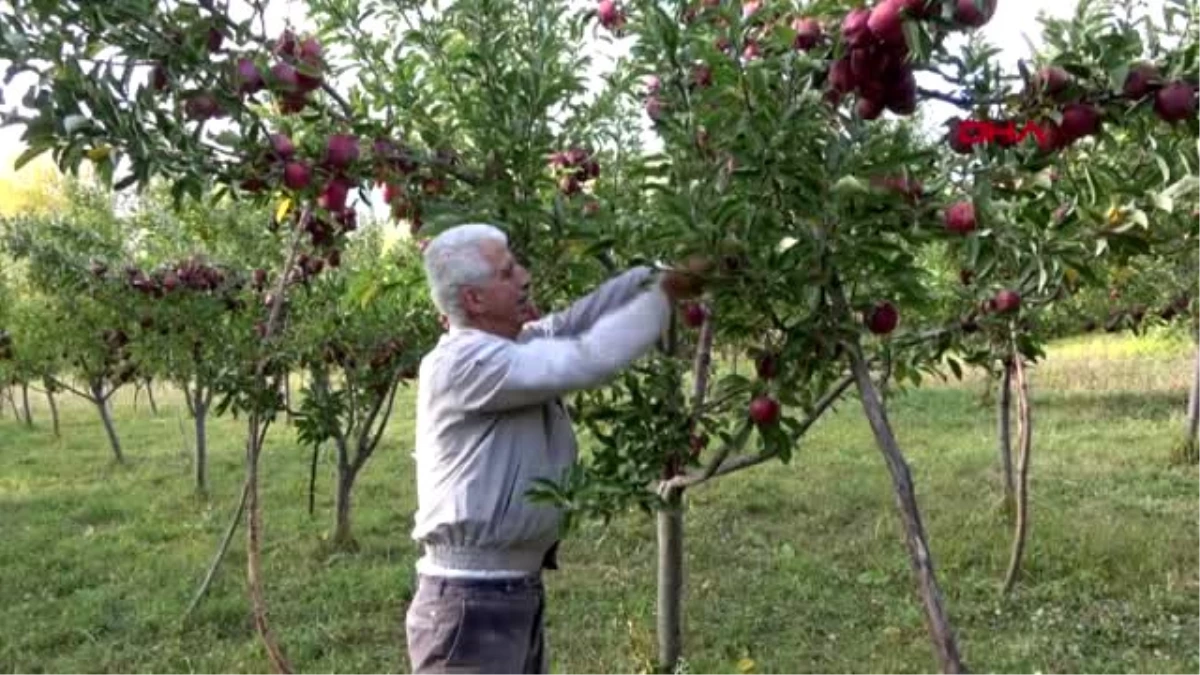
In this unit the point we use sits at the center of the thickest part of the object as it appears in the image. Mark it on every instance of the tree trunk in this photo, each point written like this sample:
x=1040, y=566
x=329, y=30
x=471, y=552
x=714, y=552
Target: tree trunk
x=150, y=397
x=312, y=480
x=25, y=404
x=53, y=411
x=200, y=416
x=106, y=417
x=1025, y=444
x=1189, y=446
x=343, y=535
x=670, y=582
x=258, y=600
x=287, y=396
x=1004, y=432
x=12, y=402
x=670, y=517
x=942, y=635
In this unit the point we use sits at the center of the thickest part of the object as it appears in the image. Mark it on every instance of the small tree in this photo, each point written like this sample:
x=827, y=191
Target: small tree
x=359, y=344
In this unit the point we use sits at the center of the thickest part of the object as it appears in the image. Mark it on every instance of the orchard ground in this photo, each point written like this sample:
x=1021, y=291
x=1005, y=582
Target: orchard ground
x=790, y=569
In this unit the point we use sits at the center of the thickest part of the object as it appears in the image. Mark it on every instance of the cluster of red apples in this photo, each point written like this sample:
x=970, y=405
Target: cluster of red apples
x=296, y=72
x=1173, y=102
x=874, y=64
x=192, y=274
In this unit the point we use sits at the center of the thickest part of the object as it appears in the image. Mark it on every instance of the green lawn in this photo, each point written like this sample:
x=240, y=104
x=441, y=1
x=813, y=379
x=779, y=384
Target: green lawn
x=798, y=568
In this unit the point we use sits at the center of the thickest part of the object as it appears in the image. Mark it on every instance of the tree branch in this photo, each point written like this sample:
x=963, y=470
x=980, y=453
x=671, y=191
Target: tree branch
x=379, y=429
x=721, y=468
x=964, y=102
x=59, y=383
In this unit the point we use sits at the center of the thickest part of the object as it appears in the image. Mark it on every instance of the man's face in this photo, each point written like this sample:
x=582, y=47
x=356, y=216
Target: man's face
x=500, y=305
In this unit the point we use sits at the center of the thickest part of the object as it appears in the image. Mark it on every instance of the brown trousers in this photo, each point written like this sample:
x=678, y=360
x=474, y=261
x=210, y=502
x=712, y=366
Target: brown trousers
x=477, y=626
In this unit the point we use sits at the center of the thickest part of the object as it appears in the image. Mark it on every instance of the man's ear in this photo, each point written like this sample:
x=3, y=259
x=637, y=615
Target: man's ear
x=469, y=297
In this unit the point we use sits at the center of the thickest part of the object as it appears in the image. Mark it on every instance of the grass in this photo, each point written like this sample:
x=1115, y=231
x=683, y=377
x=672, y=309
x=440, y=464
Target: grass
x=790, y=569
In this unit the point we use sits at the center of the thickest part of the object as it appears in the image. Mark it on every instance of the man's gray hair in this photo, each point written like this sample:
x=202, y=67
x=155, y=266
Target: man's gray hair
x=454, y=259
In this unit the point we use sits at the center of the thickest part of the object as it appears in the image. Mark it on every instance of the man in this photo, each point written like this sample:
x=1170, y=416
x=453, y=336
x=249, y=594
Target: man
x=490, y=421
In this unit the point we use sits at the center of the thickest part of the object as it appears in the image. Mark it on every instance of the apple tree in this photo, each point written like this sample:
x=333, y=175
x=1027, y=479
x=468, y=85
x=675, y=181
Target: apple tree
x=360, y=332
x=818, y=214
x=197, y=327
x=455, y=113
x=83, y=326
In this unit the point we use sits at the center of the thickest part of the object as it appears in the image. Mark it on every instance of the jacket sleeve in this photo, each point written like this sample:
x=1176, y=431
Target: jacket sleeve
x=583, y=313
x=494, y=375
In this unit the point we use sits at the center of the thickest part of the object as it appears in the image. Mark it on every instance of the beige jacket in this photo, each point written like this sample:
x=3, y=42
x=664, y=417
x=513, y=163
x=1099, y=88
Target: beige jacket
x=490, y=421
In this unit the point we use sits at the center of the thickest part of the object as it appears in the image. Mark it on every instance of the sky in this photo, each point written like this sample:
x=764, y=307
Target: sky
x=1013, y=26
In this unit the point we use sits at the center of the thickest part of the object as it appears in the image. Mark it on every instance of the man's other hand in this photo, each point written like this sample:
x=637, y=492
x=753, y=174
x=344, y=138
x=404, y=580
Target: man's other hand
x=689, y=280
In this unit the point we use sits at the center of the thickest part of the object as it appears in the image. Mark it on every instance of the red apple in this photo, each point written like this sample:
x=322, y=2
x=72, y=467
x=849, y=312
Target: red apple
x=967, y=14
x=286, y=44
x=341, y=150
x=293, y=102
x=764, y=411
x=215, y=39
x=767, y=366
x=808, y=33
x=1142, y=79
x=654, y=108
x=1079, y=120
x=855, y=31
x=901, y=93
x=202, y=106
x=841, y=76
x=609, y=14
x=702, y=75
x=1051, y=80
x=869, y=108
x=159, y=79
x=309, y=74
x=568, y=185
x=955, y=138
x=693, y=315
x=885, y=22
x=1175, y=102
x=249, y=78
x=882, y=318
x=296, y=175
x=960, y=217
x=310, y=50
x=333, y=197
x=1052, y=137
x=1007, y=301
x=285, y=78
x=282, y=146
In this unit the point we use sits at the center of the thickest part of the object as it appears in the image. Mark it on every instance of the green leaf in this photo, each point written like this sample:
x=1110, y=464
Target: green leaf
x=954, y=366
x=28, y=156
x=1162, y=201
